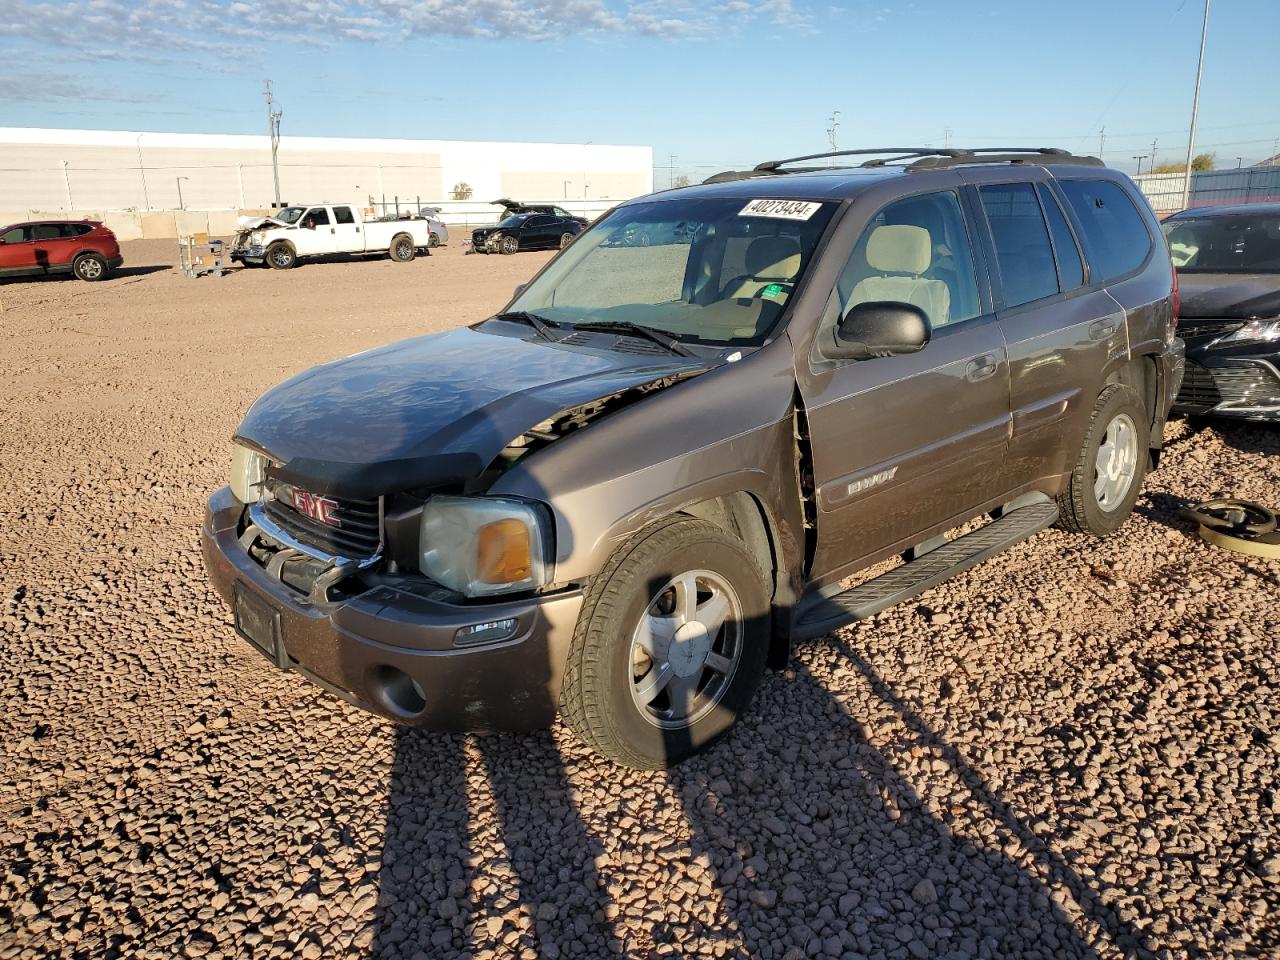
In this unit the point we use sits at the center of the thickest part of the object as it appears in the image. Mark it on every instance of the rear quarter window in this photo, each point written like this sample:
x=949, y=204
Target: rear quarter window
x=1115, y=237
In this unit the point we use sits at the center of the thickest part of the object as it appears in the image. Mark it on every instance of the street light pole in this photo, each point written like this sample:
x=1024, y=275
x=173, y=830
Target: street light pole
x=273, y=132
x=178, y=180
x=1140, y=159
x=1195, y=110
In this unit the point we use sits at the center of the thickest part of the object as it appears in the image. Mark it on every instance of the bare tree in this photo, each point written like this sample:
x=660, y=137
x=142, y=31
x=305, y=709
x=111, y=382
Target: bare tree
x=461, y=191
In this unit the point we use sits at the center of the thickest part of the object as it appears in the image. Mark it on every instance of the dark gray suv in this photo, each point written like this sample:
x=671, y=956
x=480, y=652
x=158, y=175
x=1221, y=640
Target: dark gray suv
x=627, y=493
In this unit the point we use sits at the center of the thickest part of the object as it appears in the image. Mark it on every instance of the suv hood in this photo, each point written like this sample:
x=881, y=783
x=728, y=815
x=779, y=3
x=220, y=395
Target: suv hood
x=430, y=411
x=1229, y=296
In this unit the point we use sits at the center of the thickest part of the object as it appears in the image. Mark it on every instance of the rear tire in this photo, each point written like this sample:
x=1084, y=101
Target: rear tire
x=281, y=256
x=91, y=267
x=708, y=643
x=1108, y=474
x=566, y=239
x=402, y=248
x=434, y=241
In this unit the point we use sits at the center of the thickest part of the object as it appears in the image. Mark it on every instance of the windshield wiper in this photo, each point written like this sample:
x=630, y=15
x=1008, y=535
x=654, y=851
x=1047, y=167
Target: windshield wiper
x=538, y=323
x=649, y=333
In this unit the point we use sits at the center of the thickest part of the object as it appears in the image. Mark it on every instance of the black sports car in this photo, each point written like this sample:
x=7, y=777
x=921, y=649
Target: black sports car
x=515, y=206
x=526, y=231
x=1228, y=263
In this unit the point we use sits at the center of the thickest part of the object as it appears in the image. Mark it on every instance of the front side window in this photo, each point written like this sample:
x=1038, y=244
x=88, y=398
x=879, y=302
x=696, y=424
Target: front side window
x=316, y=217
x=14, y=235
x=1023, y=251
x=915, y=251
x=1249, y=243
x=1115, y=238
x=717, y=271
x=343, y=215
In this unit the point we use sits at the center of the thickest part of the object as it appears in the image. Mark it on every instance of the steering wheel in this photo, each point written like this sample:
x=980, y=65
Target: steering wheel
x=1235, y=517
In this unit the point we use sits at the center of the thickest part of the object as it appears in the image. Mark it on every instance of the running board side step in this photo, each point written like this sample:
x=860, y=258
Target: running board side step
x=821, y=613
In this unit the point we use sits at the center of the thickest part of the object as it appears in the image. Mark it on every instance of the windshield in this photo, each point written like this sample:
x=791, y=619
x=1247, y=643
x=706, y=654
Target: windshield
x=511, y=222
x=288, y=214
x=717, y=271
x=1249, y=243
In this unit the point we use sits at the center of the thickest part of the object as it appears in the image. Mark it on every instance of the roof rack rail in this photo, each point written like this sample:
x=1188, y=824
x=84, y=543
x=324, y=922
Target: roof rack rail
x=923, y=158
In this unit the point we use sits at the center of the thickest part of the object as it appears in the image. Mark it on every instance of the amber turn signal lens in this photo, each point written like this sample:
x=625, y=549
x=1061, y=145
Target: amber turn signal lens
x=503, y=552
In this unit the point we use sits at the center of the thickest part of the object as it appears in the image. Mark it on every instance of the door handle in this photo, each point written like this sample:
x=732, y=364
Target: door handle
x=333, y=229
x=1101, y=329
x=980, y=368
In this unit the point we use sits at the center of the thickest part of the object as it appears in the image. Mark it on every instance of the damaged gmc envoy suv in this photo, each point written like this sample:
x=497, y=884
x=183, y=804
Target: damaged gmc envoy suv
x=668, y=458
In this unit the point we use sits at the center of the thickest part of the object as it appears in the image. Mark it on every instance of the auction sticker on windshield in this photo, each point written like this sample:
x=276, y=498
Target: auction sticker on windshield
x=781, y=209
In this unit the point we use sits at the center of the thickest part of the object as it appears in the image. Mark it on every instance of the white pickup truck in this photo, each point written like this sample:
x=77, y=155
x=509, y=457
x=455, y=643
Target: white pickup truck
x=296, y=232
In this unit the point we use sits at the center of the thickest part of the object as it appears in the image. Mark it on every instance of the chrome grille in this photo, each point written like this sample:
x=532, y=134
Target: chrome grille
x=1196, y=329
x=358, y=535
x=1236, y=382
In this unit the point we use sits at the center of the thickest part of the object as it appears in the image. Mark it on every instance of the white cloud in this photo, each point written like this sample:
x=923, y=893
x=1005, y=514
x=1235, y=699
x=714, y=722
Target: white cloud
x=172, y=29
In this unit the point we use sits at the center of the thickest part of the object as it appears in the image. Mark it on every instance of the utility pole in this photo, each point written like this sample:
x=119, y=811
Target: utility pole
x=671, y=170
x=1102, y=141
x=1195, y=110
x=273, y=131
x=1151, y=167
x=1139, y=158
x=66, y=182
x=833, y=130
x=946, y=138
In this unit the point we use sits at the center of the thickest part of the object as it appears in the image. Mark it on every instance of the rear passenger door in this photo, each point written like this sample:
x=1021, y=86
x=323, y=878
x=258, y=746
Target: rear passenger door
x=902, y=444
x=1063, y=332
x=53, y=248
x=346, y=231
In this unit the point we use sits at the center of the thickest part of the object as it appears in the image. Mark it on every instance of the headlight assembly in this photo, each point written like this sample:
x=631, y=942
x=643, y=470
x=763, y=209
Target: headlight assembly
x=248, y=471
x=483, y=546
x=1255, y=331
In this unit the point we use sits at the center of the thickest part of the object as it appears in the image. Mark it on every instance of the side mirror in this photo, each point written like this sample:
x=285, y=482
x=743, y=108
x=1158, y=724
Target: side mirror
x=880, y=329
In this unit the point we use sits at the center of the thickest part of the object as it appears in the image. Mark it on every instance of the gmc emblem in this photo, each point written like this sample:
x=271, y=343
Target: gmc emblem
x=317, y=508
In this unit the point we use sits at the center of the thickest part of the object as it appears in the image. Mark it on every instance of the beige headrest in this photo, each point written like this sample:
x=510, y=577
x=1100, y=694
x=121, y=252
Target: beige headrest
x=773, y=258
x=899, y=249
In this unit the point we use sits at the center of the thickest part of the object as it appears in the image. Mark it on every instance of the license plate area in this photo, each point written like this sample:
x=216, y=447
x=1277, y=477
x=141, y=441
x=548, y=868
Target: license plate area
x=259, y=623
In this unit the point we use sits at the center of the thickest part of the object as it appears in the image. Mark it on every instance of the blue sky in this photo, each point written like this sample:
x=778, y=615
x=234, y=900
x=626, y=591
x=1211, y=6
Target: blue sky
x=717, y=84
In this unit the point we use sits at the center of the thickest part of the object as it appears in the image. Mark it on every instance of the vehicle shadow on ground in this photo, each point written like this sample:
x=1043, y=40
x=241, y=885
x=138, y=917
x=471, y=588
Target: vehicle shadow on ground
x=116, y=274
x=1247, y=437
x=818, y=843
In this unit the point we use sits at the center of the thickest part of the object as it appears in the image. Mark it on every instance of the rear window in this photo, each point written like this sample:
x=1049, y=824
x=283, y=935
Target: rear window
x=1115, y=237
x=1070, y=268
x=1023, y=252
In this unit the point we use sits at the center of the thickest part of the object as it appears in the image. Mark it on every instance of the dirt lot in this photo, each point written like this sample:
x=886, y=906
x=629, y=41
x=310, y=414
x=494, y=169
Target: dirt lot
x=1071, y=751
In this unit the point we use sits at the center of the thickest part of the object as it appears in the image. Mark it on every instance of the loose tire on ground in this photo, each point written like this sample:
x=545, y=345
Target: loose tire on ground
x=1119, y=412
x=281, y=256
x=598, y=699
x=90, y=266
x=402, y=248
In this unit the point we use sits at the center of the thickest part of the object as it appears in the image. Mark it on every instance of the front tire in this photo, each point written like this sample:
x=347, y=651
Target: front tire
x=91, y=267
x=669, y=647
x=402, y=248
x=281, y=256
x=510, y=245
x=1108, y=474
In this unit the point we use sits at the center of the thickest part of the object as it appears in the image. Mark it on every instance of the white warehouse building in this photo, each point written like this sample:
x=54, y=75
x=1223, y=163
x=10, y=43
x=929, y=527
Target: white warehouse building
x=161, y=184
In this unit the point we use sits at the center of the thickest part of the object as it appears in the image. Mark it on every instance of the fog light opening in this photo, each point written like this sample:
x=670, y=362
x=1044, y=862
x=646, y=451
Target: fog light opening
x=400, y=693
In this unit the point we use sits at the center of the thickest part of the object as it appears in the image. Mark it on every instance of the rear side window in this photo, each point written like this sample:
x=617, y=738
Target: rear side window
x=1115, y=238
x=1070, y=269
x=45, y=231
x=1023, y=252
x=343, y=215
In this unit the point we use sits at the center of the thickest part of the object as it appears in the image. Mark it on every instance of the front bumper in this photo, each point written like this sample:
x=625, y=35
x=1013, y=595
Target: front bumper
x=1232, y=387
x=251, y=254
x=364, y=648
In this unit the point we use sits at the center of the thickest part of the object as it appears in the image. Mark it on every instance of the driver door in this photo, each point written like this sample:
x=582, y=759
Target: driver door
x=901, y=444
x=315, y=233
x=18, y=252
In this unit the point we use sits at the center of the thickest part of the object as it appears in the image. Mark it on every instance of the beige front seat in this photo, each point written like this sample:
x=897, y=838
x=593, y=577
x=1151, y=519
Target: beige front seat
x=768, y=260
x=901, y=253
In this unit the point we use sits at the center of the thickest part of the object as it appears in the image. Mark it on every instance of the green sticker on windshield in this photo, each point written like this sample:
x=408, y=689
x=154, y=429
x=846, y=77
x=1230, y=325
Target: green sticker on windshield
x=772, y=291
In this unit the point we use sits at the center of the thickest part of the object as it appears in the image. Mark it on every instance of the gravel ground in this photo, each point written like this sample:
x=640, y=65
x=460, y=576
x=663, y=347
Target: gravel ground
x=1070, y=751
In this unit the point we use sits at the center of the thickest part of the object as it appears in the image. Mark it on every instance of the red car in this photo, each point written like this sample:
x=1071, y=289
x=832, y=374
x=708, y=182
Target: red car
x=84, y=248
